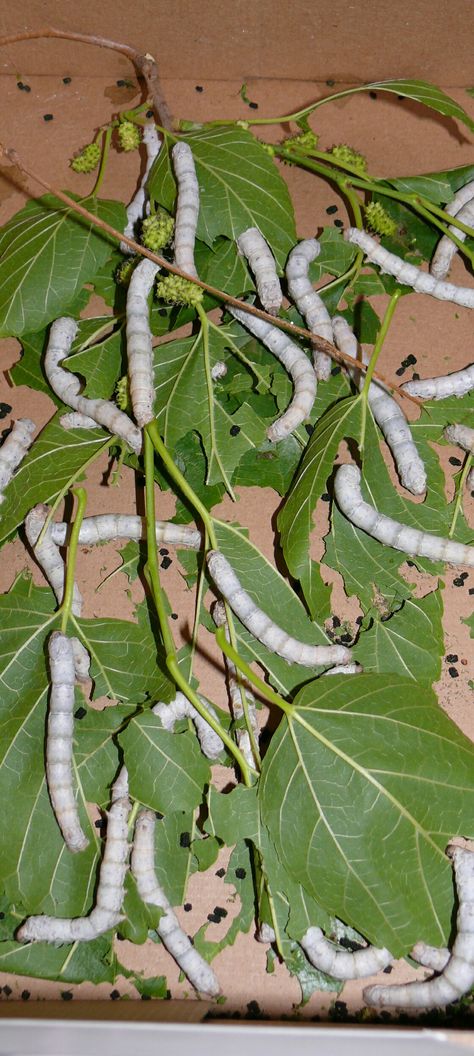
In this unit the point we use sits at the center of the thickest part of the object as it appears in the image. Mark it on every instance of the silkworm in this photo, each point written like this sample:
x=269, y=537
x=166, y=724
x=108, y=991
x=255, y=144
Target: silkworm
x=457, y=977
x=343, y=964
x=76, y=420
x=459, y=383
x=139, y=342
x=295, y=362
x=389, y=418
x=59, y=741
x=107, y=526
x=106, y=913
x=461, y=435
x=434, y=957
x=461, y=206
x=308, y=302
x=14, y=449
x=219, y=370
x=139, y=206
x=66, y=385
x=253, y=246
x=50, y=561
x=235, y=692
x=174, y=939
x=187, y=208
x=408, y=274
x=181, y=708
x=263, y=627
x=265, y=933
x=402, y=537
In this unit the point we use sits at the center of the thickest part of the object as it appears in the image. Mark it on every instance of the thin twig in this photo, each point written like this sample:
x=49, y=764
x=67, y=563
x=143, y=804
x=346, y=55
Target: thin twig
x=145, y=65
x=323, y=346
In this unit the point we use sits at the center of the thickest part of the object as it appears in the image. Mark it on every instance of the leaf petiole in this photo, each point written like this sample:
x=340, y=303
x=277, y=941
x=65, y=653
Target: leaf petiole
x=387, y=319
x=266, y=691
x=66, y=607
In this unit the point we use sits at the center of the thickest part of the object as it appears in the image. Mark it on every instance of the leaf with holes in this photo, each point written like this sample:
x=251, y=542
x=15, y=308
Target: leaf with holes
x=167, y=771
x=407, y=642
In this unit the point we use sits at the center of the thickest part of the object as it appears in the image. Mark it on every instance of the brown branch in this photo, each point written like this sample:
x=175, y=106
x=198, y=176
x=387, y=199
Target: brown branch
x=145, y=65
x=283, y=324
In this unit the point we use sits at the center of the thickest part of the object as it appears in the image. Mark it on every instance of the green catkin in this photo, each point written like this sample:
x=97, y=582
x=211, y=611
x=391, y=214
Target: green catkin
x=304, y=140
x=378, y=220
x=88, y=158
x=157, y=230
x=349, y=156
x=121, y=393
x=129, y=135
x=176, y=290
x=123, y=271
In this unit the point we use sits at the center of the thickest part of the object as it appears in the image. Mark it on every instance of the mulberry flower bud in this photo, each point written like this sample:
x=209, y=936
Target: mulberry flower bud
x=121, y=393
x=305, y=140
x=176, y=290
x=129, y=135
x=87, y=159
x=378, y=220
x=123, y=271
x=157, y=230
x=350, y=157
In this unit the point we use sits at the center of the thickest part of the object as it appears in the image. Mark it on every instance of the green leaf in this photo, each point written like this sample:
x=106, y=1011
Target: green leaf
x=155, y=986
x=361, y=789
x=240, y=187
x=173, y=854
x=233, y=816
x=140, y=917
x=205, y=852
x=428, y=94
x=414, y=236
x=47, y=253
x=190, y=458
x=408, y=642
x=126, y=664
x=167, y=771
x=92, y=961
x=99, y=365
x=226, y=269
x=239, y=874
x=55, y=460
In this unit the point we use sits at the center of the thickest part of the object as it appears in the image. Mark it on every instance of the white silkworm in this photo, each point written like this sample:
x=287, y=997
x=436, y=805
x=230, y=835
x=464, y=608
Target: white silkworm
x=106, y=913
x=263, y=627
x=434, y=957
x=308, y=302
x=236, y=685
x=461, y=435
x=408, y=274
x=343, y=964
x=139, y=342
x=219, y=370
x=76, y=420
x=105, y=527
x=67, y=386
x=59, y=741
x=461, y=206
x=409, y=540
x=459, y=383
x=49, y=559
x=14, y=449
x=181, y=708
x=139, y=206
x=457, y=977
x=389, y=418
x=174, y=939
x=295, y=362
x=253, y=246
x=345, y=669
x=187, y=208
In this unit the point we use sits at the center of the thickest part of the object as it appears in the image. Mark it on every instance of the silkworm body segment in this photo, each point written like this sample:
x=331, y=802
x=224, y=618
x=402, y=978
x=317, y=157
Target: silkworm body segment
x=253, y=246
x=343, y=964
x=308, y=301
x=59, y=739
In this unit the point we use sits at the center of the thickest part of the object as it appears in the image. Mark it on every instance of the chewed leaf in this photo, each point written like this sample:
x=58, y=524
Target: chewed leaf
x=240, y=187
x=167, y=771
x=93, y=961
x=408, y=642
x=352, y=798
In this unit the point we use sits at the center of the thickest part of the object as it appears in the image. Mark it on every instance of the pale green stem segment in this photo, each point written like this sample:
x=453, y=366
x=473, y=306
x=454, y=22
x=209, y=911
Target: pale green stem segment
x=459, y=493
x=103, y=162
x=266, y=691
x=299, y=114
x=210, y=396
x=175, y=474
x=66, y=607
x=387, y=319
x=153, y=575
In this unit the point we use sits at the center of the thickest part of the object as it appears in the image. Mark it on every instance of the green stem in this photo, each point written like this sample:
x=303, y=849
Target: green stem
x=266, y=691
x=103, y=162
x=298, y=113
x=153, y=576
x=66, y=606
x=353, y=202
x=459, y=493
x=387, y=319
x=241, y=686
x=210, y=398
x=181, y=482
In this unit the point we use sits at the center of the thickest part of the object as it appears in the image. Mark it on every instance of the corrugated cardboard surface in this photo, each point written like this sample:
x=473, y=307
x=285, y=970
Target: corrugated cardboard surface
x=398, y=138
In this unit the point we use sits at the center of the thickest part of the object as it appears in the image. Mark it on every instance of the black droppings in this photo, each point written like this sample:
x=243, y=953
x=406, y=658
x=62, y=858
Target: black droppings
x=452, y=658
x=149, y=113
x=79, y=714
x=7, y=990
x=234, y=430
x=453, y=461
x=388, y=969
x=48, y=117
x=253, y=106
x=400, y=371
x=335, y=371
x=240, y=873
x=458, y=582
x=411, y=360
x=373, y=95
x=146, y=997
x=220, y=872
x=220, y=912
x=185, y=839
x=67, y=80
x=464, y=575
x=174, y=615
x=415, y=376
x=332, y=209
x=330, y=83
x=453, y=672
x=164, y=552
x=67, y=995
x=325, y=497
x=166, y=562
x=309, y=428
x=411, y=564
x=338, y=223
x=187, y=907
x=101, y=825
x=114, y=996
x=121, y=83
x=346, y=638
x=23, y=87
x=199, y=88
x=254, y=1011
x=214, y=918
x=471, y=590
x=336, y=621
x=25, y=995
x=349, y=944
x=5, y=409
